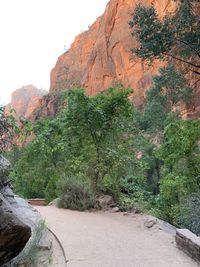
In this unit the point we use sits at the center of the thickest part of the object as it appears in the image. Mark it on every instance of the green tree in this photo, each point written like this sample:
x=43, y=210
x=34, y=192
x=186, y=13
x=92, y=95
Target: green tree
x=174, y=154
x=169, y=90
x=92, y=138
x=96, y=126
x=180, y=153
x=176, y=36
x=39, y=164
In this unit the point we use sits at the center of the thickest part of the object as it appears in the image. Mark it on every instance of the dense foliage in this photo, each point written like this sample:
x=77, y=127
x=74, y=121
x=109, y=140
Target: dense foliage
x=148, y=160
x=92, y=138
x=174, y=159
x=99, y=145
x=168, y=91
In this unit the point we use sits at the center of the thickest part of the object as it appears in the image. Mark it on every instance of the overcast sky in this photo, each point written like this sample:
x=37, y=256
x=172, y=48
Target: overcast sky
x=33, y=33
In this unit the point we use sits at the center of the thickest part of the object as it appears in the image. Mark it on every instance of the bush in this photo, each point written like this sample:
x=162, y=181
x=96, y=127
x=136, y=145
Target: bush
x=132, y=184
x=126, y=203
x=75, y=193
x=190, y=213
x=110, y=186
x=135, y=202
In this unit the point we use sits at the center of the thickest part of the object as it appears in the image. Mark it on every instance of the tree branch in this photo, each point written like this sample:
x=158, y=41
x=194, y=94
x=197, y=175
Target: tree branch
x=184, y=61
x=197, y=72
x=194, y=84
x=190, y=46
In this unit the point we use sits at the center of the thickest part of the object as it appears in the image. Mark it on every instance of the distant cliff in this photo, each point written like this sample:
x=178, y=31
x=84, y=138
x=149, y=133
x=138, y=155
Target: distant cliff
x=101, y=57
x=25, y=100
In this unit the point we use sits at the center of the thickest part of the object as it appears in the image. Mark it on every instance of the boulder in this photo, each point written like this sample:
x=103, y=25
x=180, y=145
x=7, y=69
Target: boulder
x=25, y=241
x=14, y=233
x=104, y=202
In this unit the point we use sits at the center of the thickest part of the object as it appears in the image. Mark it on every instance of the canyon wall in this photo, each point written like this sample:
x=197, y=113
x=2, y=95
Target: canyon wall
x=101, y=57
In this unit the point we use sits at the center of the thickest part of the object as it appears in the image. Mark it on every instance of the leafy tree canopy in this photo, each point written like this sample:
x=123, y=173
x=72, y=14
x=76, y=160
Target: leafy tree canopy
x=175, y=36
x=169, y=89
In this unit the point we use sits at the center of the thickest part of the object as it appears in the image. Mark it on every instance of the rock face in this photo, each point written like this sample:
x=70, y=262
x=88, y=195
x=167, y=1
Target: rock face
x=47, y=106
x=101, y=57
x=14, y=233
x=25, y=100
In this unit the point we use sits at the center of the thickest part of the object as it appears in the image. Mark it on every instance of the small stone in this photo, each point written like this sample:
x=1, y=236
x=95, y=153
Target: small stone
x=150, y=222
x=135, y=211
x=115, y=209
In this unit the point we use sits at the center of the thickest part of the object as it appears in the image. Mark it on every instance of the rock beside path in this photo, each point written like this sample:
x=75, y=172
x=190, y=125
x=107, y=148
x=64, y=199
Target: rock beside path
x=106, y=202
x=25, y=240
x=14, y=233
x=150, y=221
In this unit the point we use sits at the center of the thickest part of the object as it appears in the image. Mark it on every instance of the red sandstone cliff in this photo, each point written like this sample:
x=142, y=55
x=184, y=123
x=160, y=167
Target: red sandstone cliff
x=47, y=106
x=101, y=57
x=25, y=100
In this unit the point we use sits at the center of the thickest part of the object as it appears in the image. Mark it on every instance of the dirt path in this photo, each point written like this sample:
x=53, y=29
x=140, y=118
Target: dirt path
x=97, y=239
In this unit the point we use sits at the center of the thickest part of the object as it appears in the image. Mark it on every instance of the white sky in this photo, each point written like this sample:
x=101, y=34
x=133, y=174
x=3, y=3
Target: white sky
x=33, y=33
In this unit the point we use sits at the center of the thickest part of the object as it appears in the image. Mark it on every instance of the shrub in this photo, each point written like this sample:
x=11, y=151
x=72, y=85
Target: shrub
x=126, y=203
x=135, y=202
x=110, y=185
x=132, y=184
x=75, y=193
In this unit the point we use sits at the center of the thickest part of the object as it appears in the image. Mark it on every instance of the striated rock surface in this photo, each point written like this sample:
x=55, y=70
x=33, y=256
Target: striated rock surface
x=25, y=100
x=101, y=57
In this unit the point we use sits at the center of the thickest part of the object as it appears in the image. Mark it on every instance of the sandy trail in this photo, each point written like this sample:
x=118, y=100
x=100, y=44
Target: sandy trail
x=99, y=239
